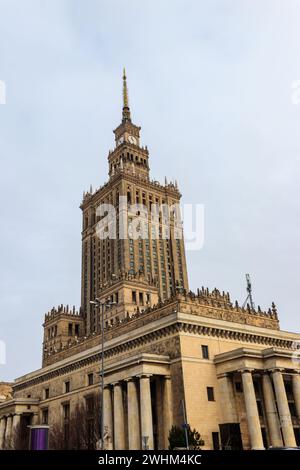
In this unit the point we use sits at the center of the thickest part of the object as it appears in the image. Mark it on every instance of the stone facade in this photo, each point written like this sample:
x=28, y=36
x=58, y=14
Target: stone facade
x=166, y=349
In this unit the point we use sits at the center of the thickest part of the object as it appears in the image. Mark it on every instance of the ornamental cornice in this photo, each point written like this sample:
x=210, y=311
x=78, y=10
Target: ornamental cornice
x=91, y=199
x=155, y=336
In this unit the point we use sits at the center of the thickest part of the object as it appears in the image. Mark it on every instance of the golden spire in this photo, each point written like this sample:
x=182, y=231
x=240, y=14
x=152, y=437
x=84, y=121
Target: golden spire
x=125, y=90
x=126, y=110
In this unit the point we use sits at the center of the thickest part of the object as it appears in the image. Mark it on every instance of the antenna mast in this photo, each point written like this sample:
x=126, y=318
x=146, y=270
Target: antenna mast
x=249, y=296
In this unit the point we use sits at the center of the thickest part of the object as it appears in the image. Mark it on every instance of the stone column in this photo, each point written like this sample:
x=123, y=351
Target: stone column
x=8, y=432
x=16, y=420
x=2, y=431
x=146, y=410
x=134, y=434
x=252, y=411
x=35, y=419
x=15, y=427
x=283, y=408
x=108, y=419
x=271, y=412
x=296, y=393
x=227, y=400
x=167, y=408
x=119, y=428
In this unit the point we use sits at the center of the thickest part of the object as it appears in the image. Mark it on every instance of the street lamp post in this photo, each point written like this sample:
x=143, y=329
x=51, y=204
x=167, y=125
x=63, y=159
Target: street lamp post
x=102, y=306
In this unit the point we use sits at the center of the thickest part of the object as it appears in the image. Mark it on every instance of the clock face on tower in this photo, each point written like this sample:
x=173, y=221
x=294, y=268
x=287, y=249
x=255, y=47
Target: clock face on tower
x=132, y=139
x=120, y=141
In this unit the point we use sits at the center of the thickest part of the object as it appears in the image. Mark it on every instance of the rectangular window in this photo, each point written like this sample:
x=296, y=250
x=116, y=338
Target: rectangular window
x=66, y=411
x=46, y=393
x=134, y=296
x=91, y=379
x=205, y=353
x=67, y=386
x=45, y=416
x=141, y=298
x=89, y=401
x=210, y=393
x=70, y=329
x=76, y=329
x=238, y=387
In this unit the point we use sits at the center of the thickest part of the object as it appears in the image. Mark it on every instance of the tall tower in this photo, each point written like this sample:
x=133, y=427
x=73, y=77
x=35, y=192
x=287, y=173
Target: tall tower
x=134, y=271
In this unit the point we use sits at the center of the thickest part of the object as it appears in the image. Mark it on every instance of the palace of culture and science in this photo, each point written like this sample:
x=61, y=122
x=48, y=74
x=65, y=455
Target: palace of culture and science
x=166, y=349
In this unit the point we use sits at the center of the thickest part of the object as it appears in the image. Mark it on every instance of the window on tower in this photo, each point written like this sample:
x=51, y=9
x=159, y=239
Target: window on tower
x=210, y=393
x=204, y=349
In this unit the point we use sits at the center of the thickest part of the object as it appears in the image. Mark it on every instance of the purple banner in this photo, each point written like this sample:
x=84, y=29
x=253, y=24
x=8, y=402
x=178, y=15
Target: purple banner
x=39, y=437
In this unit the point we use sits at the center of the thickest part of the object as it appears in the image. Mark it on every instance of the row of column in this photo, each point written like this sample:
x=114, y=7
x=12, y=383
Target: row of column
x=139, y=424
x=8, y=426
x=278, y=417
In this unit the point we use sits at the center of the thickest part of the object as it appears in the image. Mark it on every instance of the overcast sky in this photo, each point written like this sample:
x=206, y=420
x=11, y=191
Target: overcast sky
x=210, y=84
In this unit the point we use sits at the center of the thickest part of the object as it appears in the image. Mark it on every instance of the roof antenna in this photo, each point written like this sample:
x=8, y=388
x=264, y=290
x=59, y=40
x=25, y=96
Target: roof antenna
x=249, y=296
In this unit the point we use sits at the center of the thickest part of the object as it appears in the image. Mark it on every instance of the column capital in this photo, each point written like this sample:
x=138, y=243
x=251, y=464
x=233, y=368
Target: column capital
x=167, y=377
x=144, y=376
x=118, y=382
x=246, y=369
x=277, y=369
x=265, y=372
x=130, y=379
x=223, y=375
